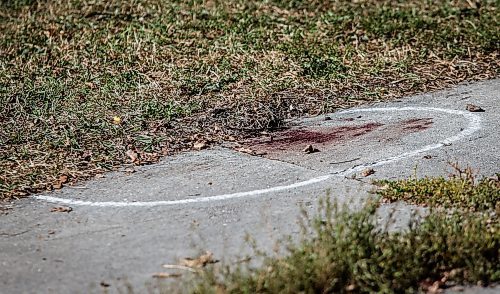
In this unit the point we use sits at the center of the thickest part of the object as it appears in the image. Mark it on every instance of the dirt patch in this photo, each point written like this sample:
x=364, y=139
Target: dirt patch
x=297, y=138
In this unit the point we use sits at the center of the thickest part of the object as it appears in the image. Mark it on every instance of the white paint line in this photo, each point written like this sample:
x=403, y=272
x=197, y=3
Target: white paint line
x=184, y=201
x=473, y=126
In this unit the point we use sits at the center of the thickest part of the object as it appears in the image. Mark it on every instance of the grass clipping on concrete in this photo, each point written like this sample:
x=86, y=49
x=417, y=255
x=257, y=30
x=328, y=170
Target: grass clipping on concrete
x=86, y=86
x=348, y=252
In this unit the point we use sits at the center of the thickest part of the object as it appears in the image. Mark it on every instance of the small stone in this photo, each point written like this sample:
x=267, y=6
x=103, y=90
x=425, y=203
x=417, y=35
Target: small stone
x=367, y=172
x=310, y=149
x=200, y=145
x=61, y=209
x=474, y=108
x=132, y=155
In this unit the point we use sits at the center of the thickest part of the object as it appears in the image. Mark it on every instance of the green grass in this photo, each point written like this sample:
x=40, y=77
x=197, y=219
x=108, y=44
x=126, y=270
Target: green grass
x=177, y=72
x=461, y=190
x=347, y=252
x=351, y=252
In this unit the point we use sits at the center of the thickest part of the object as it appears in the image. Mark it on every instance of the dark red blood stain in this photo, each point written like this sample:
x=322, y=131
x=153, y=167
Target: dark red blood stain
x=416, y=124
x=406, y=127
x=297, y=139
x=292, y=138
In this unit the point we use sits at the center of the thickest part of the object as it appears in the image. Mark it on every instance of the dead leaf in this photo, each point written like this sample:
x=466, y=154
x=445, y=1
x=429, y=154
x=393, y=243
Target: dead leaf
x=250, y=151
x=474, y=108
x=199, y=262
x=132, y=155
x=61, y=209
x=149, y=157
x=163, y=275
x=310, y=149
x=245, y=150
x=63, y=179
x=430, y=286
x=367, y=172
x=59, y=183
x=456, y=272
x=200, y=145
x=435, y=288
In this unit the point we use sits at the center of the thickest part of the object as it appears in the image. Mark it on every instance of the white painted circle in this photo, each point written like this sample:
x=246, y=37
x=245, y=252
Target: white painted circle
x=474, y=124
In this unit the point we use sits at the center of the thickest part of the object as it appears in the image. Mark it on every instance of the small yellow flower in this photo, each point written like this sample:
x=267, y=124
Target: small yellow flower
x=117, y=120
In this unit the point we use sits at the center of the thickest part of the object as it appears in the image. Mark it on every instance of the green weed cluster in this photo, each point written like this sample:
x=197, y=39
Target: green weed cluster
x=461, y=190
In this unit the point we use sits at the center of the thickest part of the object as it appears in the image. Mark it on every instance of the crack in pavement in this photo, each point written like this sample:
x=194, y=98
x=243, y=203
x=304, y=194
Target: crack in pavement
x=13, y=234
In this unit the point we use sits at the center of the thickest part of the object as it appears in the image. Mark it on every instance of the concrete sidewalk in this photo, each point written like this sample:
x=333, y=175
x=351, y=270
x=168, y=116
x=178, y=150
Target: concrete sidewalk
x=122, y=228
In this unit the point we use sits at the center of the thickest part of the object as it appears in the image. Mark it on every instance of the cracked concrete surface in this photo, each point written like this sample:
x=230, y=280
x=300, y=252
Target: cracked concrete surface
x=56, y=252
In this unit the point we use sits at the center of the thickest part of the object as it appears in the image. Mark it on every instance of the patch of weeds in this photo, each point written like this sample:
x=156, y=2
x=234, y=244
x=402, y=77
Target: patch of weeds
x=155, y=109
x=461, y=190
x=347, y=252
x=15, y=4
x=148, y=143
x=321, y=66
